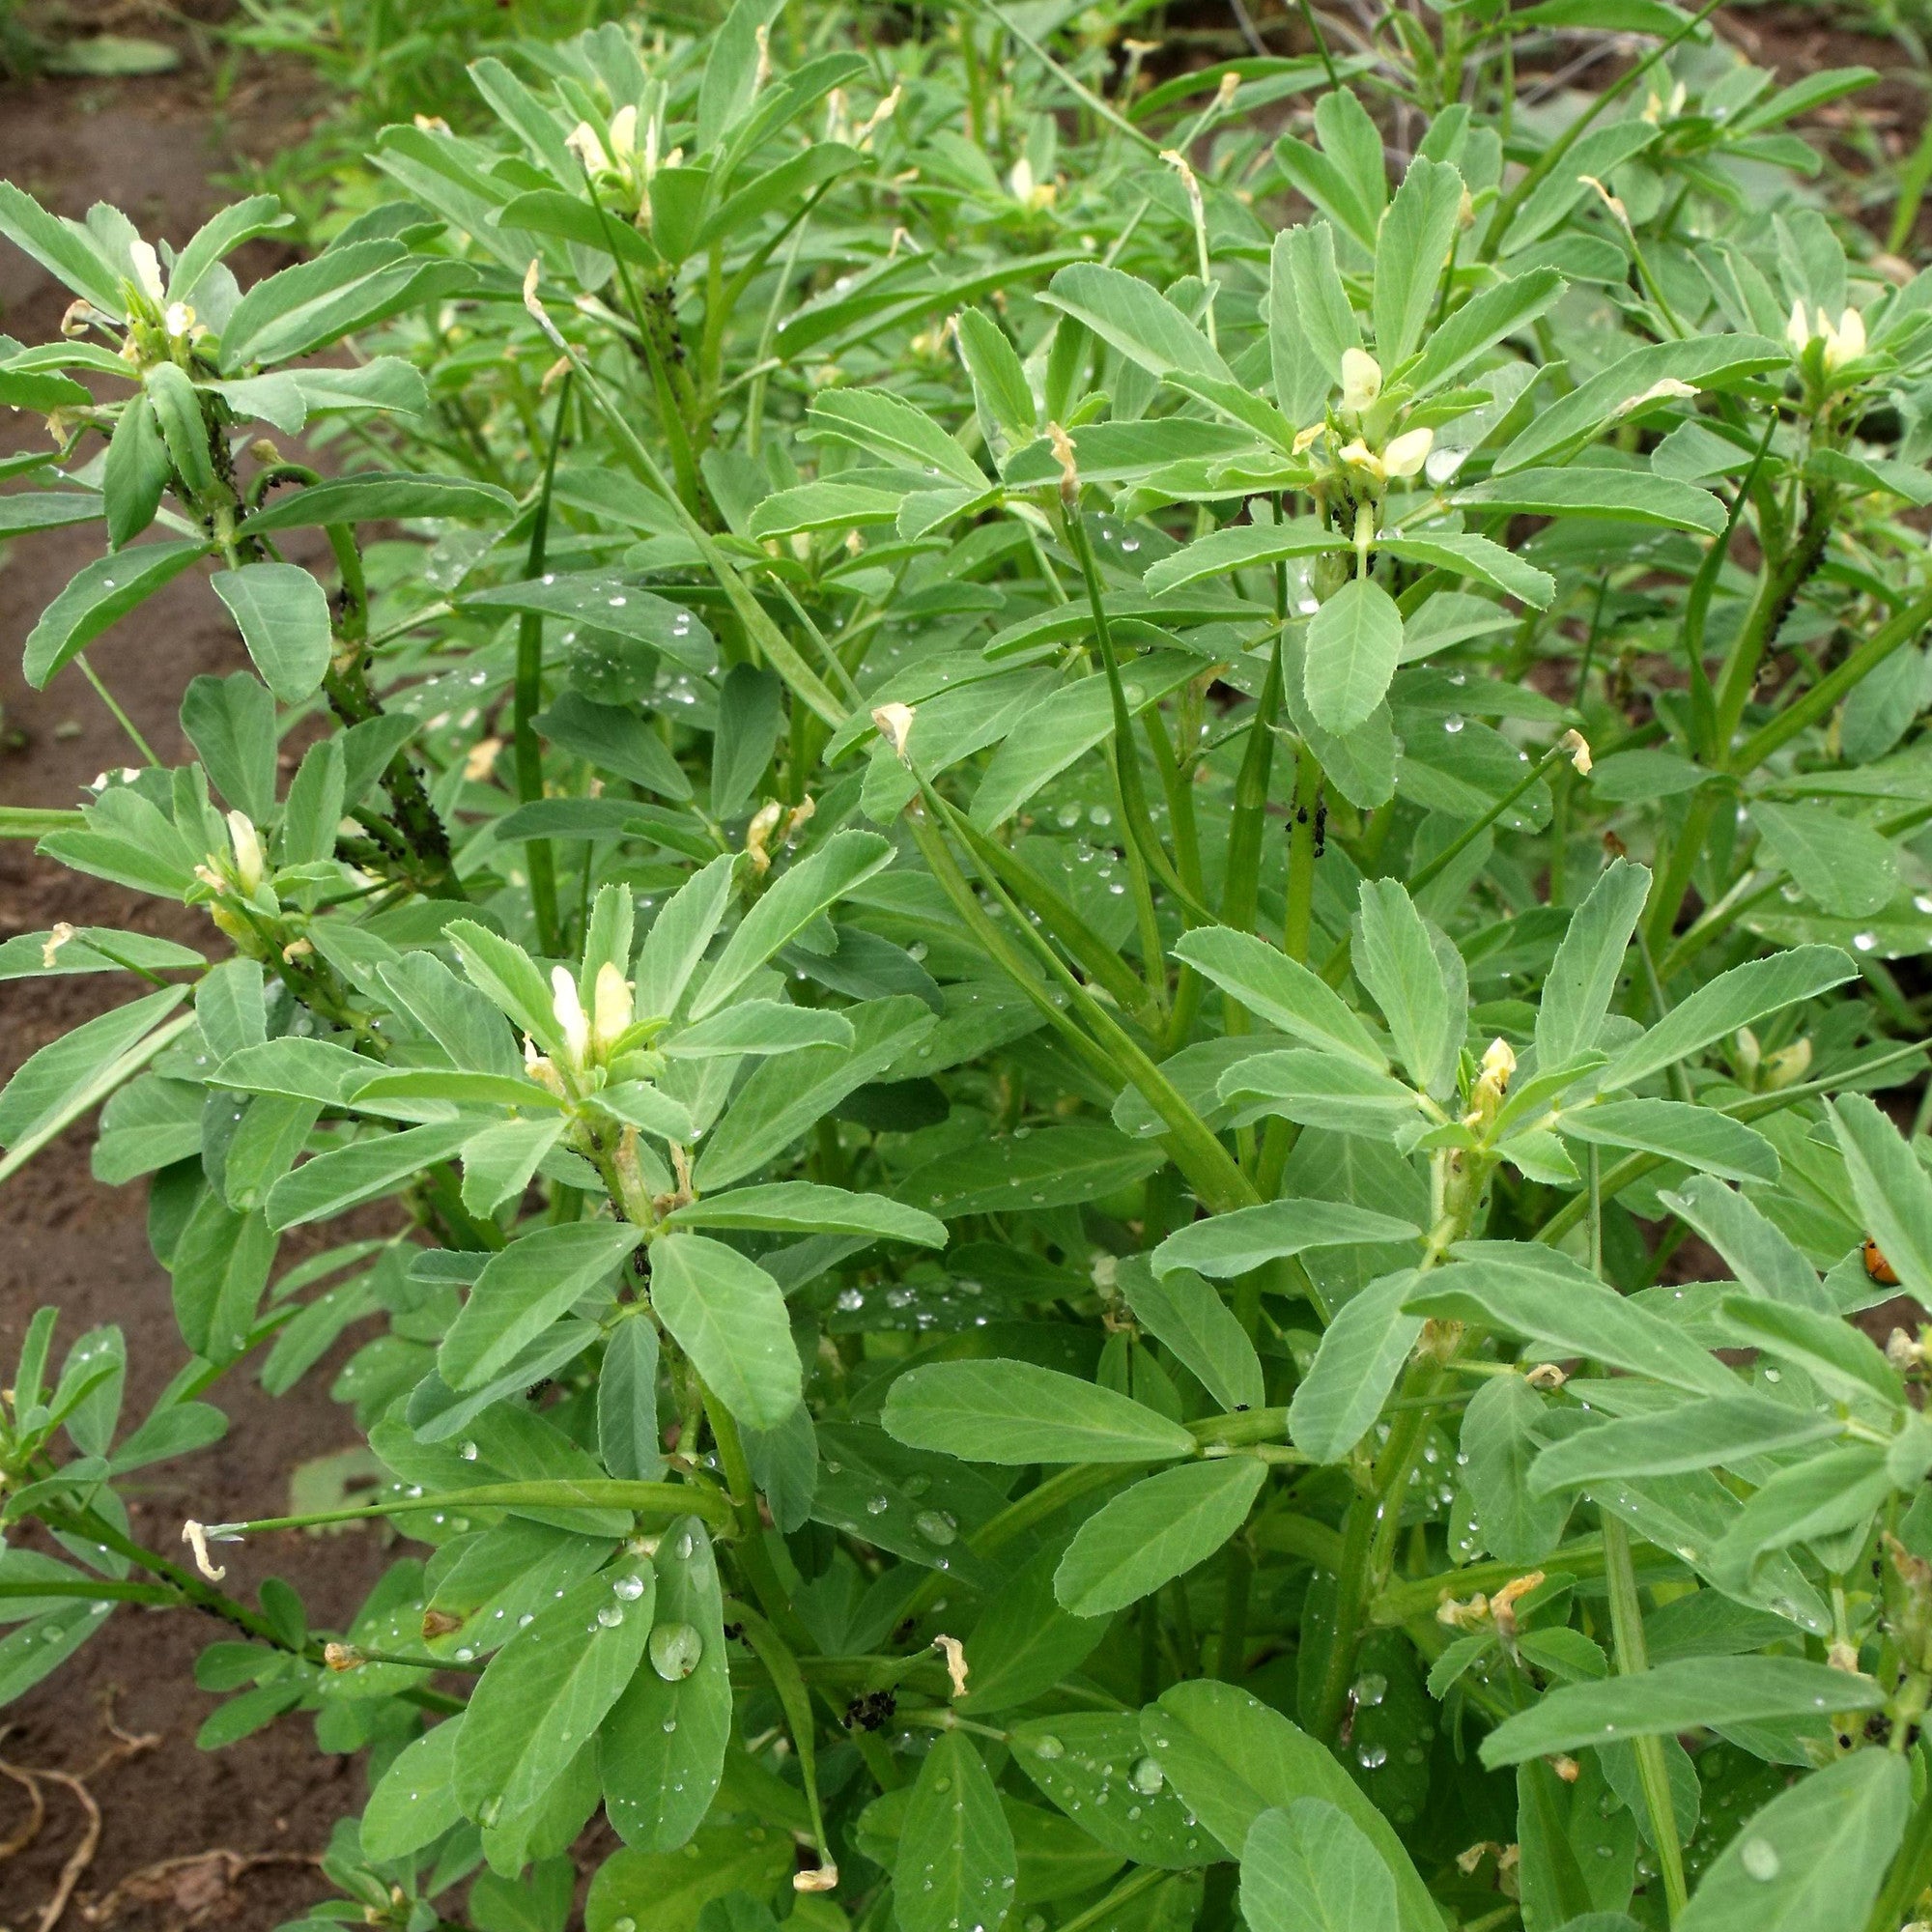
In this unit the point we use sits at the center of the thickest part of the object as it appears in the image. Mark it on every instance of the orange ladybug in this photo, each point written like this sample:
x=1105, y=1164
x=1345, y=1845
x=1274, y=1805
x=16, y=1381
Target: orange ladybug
x=1877, y=1266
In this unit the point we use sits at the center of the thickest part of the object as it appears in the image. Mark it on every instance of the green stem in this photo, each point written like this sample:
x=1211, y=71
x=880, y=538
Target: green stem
x=1653, y=1774
x=1298, y=921
x=528, y=701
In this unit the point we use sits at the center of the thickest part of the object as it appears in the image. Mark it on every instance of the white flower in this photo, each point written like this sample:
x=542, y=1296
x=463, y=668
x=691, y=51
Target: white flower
x=178, y=319
x=1409, y=452
x=147, y=270
x=1578, y=747
x=1797, y=332
x=624, y=132
x=247, y=853
x=1845, y=343
x=569, y=1011
x=611, y=1003
x=1499, y=1064
x=1361, y=379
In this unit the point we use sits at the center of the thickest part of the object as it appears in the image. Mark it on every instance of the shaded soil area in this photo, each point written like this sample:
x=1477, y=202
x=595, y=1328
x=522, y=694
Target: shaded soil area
x=270, y=1800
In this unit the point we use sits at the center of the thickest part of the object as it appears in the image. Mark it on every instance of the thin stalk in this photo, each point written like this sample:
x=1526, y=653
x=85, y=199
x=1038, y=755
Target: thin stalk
x=528, y=700
x=121, y=718
x=1298, y=921
x=1653, y=1774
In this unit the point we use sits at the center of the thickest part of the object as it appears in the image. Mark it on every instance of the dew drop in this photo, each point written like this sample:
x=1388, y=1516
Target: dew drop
x=675, y=1650
x=1759, y=1859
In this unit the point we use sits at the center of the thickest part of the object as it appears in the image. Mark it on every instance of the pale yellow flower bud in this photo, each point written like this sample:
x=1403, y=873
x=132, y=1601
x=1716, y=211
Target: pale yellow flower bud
x=1361, y=379
x=611, y=1003
x=247, y=852
x=147, y=270
x=1409, y=452
x=569, y=1011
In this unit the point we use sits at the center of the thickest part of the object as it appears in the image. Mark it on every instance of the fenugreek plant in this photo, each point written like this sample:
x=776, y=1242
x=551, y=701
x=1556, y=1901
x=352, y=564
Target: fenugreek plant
x=1092, y=911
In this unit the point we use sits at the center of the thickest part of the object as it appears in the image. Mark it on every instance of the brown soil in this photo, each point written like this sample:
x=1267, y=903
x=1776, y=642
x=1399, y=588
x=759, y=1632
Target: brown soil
x=144, y=145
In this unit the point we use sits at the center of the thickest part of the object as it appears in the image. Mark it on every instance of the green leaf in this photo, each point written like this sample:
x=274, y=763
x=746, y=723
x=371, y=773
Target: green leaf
x=1582, y=978
x=97, y=595
x=805, y=1207
x=678, y=937
x=1092, y=1766
x=957, y=1864
x=1551, y=1300
x=176, y=406
x=354, y=284
x=1499, y=1444
x=1618, y=495
x=1240, y=547
x=1281, y=991
x=1043, y=1167
x=1475, y=556
x=1025, y=1644
x=668, y=1890
x=1350, y=654
x=1696, y=1692
x=664, y=1742
x=1417, y=231
x=1756, y=1250
x=1154, y=1532
x=508, y=976
x=1696, y=1136
x=283, y=615
x=1704, y=361
x=1016, y=1413
x=1362, y=1353
x=1482, y=322
x=617, y=741
x=1711, y=1434
x=627, y=1404
x=1835, y=1355
x=383, y=498
x=546, y=1691
x=231, y=724
x=1231, y=1758
x=414, y=1803
x=1199, y=1329
x=1844, y=868
x=533, y=1283
x=898, y=430
x=1891, y=1188
x=64, y=248
x=220, y=1265
x=1814, y=1856
x=296, y=1068
x=758, y=1026
x=361, y=1171
x=1732, y=1000
x=500, y=1162
x=47, y=1082
x=791, y=1091
x=1000, y=385
x=729, y=1315
x=1396, y=960
x=1311, y=1868
x=1232, y=1244
x=846, y=860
